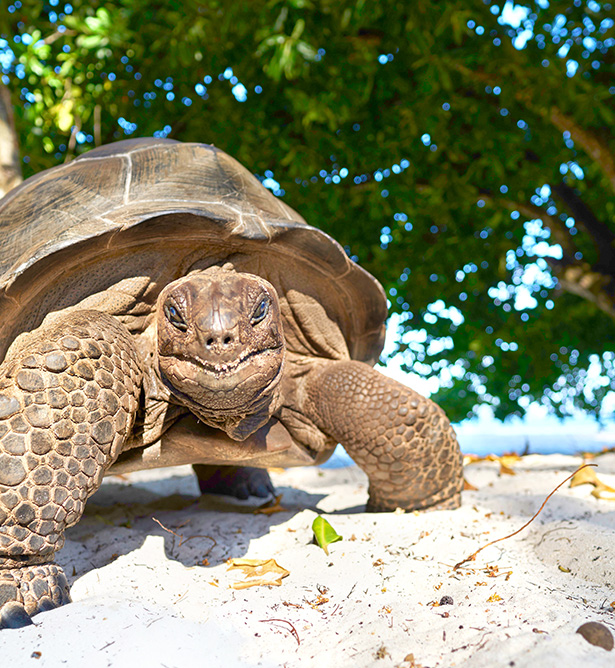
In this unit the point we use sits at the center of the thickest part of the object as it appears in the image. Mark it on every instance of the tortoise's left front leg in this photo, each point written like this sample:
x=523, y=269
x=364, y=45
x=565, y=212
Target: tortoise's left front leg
x=69, y=392
x=403, y=441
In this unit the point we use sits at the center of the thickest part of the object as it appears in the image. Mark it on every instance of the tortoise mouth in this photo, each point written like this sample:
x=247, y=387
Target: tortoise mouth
x=228, y=387
x=220, y=369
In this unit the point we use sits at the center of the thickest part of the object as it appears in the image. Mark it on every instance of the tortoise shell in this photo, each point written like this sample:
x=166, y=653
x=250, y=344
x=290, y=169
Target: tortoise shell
x=147, y=211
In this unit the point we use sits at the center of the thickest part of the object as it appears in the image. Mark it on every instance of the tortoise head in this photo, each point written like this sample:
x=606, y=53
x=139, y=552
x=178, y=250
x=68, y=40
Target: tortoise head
x=220, y=342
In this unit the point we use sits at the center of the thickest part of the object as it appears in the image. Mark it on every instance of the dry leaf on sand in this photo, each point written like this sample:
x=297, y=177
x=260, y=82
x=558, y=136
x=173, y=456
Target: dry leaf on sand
x=271, y=507
x=588, y=477
x=258, y=572
x=505, y=461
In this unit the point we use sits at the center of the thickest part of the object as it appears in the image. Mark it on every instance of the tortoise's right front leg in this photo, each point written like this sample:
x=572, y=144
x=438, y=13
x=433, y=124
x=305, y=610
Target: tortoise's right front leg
x=68, y=396
x=403, y=441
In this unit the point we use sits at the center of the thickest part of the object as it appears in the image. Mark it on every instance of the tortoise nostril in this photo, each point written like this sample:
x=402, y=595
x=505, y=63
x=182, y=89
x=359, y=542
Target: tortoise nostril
x=213, y=340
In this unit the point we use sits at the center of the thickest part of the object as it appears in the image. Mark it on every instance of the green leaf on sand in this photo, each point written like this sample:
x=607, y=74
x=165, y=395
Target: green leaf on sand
x=324, y=533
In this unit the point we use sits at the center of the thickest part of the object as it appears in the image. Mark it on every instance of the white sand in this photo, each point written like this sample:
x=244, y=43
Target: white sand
x=141, y=598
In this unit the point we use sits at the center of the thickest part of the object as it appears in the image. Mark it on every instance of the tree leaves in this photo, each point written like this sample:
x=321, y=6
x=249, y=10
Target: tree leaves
x=421, y=118
x=287, y=55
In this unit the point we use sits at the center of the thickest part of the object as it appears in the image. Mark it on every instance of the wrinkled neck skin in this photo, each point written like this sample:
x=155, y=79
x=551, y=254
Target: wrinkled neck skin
x=219, y=348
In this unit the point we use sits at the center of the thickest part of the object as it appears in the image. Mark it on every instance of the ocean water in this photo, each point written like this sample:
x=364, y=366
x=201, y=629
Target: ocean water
x=537, y=432
x=537, y=444
x=499, y=442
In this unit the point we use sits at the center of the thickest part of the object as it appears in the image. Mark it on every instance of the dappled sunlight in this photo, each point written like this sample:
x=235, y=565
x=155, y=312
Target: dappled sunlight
x=473, y=183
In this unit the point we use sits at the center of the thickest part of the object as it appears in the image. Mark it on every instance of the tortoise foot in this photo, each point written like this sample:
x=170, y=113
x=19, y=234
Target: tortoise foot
x=24, y=592
x=426, y=505
x=238, y=481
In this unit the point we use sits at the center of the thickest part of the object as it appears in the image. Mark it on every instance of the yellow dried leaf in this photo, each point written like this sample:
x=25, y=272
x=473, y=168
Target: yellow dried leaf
x=588, y=476
x=258, y=572
x=505, y=461
x=271, y=507
x=411, y=662
x=604, y=492
x=468, y=486
x=564, y=569
x=585, y=476
x=493, y=598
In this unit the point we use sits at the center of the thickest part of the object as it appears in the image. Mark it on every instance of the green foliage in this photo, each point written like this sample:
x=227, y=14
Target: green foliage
x=434, y=133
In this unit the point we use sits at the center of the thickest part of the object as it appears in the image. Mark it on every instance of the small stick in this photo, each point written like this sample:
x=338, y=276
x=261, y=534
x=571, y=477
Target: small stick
x=472, y=557
x=163, y=527
x=293, y=630
x=183, y=540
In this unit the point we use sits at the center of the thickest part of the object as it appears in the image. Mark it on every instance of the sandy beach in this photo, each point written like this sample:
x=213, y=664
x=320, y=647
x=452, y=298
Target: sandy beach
x=386, y=595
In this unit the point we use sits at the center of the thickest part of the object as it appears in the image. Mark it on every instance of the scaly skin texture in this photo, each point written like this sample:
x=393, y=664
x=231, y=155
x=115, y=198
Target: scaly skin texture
x=68, y=397
x=403, y=441
x=31, y=589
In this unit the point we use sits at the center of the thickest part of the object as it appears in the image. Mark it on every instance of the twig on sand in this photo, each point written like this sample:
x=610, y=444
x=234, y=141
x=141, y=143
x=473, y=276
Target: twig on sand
x=292, y=630
x=472, y=557
x=161, y=525
x=183, y=540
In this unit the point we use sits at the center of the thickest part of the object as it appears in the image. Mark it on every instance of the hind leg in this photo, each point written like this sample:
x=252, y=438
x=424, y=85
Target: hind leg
x=68, y=396
x=238, y=481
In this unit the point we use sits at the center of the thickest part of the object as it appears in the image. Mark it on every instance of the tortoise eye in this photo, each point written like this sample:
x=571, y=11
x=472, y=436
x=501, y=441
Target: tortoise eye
x=174, y=317
x=260, y=312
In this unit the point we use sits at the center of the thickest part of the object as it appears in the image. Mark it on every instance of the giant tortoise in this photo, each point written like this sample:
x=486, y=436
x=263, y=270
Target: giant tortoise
x=159, y=306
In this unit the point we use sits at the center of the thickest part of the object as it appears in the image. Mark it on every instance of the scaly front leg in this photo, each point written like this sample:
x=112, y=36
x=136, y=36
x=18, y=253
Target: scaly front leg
x=68, y=395
x=403, y=441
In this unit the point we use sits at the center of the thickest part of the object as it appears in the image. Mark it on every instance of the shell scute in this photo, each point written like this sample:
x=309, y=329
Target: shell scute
x=149, y=210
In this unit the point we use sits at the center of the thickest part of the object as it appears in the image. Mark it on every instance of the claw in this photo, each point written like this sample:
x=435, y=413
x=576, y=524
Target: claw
x=14, y=616
x=26, y=591
x=45, y=604
x=262, y=491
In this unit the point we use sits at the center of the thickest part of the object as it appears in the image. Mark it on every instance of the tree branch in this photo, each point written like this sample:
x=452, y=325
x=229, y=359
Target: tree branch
x=72, y=142
x=601, y=235
x=598, y=288
x=50, y=39
x=595, y=284
x=10, y=166
x=97, y=125
x=594, y=146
